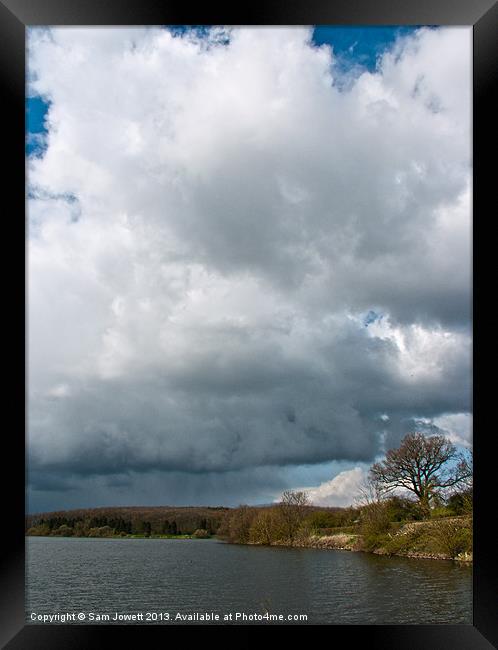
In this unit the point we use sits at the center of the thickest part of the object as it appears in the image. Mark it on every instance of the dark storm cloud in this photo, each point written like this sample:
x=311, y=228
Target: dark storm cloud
x=230, y=410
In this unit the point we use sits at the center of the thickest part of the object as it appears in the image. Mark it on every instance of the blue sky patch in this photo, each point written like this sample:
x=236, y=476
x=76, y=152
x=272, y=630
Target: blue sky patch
x=36, y=111
x=359, y=46
x=200, y=32
x=371, y=317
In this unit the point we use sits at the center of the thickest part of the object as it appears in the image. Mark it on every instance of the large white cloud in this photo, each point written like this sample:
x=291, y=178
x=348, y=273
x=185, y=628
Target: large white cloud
x=345, y=489
x=211, y=222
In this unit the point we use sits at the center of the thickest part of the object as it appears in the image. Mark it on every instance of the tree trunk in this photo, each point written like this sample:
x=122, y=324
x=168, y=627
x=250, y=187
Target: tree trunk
x=425, y=507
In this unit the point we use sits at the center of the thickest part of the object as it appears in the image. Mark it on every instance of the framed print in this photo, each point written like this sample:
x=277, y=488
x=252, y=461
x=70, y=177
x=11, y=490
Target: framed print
x=248, y=321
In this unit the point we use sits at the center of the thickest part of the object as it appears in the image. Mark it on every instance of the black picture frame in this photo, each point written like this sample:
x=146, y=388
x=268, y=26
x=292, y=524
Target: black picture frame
x=15, y=16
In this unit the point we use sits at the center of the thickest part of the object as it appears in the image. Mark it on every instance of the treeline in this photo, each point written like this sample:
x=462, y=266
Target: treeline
x=373, y=526
x=285, y=523
x=109, y=522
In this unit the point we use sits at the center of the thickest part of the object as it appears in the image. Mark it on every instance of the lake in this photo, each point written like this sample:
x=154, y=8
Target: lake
x=163, y=578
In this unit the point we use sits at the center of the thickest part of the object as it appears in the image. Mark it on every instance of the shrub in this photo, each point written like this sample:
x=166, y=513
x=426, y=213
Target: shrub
x=374, y=524
x=63, y=531
x=440, y=511
x=322, y=519
x=101, y=531
x=403, y=509
x=452, y=537
x=460, y=503
x=80, y=529
x=40, y=530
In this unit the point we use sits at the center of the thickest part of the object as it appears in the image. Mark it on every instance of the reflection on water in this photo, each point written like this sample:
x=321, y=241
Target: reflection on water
x=106, y=576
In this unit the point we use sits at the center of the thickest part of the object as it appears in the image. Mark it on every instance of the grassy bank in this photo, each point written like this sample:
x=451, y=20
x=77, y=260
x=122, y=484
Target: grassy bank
x=446, y=539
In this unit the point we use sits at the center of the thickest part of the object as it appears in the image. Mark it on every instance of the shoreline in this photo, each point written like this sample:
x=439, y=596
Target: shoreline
x=324, y=543
x=464, y=558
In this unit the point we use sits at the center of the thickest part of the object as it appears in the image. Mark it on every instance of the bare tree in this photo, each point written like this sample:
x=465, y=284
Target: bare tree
x=420, y=465
x=293, y=508
x=463, y=491
x=239, y=524
x=369, y=493
x=373, y=514
x=267, y=527
x=467, y=469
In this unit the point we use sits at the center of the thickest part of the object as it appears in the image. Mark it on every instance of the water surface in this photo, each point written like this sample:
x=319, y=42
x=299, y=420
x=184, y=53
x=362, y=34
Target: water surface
x=167, y=577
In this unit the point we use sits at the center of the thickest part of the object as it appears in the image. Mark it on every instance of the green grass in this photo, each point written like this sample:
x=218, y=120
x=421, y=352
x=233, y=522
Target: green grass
x=443, y=537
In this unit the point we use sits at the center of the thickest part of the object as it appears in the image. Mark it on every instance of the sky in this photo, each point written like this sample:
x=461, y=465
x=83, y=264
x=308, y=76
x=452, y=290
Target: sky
x=249, y=259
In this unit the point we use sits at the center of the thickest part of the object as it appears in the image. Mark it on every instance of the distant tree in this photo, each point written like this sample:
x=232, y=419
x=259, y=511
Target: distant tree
x=339, y=517
x=421, y=466
x=63, y=531
x=460, y=503
x=322, y=519
x=239, y=524
x=293, y=508
x=402, y=509
x=101, y=531
x=267, y=527
x=40, y=529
